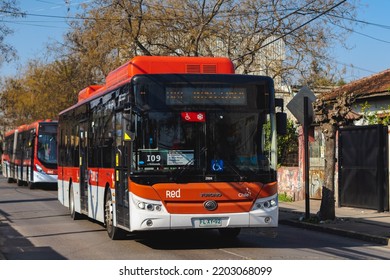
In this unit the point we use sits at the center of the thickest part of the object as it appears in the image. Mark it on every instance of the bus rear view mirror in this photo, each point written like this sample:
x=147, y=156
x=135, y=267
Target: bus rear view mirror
x=281, y=123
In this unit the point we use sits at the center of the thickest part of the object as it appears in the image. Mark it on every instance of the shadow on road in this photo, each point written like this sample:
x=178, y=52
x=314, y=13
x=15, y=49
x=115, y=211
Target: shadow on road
x=17, y=247
x=195, y=239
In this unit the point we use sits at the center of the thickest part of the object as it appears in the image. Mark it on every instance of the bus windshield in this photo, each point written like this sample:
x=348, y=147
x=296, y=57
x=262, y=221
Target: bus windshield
x=222, y=134
x=222, y=142
x=47, y=148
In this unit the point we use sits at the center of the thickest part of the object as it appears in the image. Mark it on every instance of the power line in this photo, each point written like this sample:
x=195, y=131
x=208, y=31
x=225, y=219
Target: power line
x=361, y=21
x=355, y=67
x=362, y=34
x=304, y=24
x=228, y=14
x=35, y=23
x=240, y=14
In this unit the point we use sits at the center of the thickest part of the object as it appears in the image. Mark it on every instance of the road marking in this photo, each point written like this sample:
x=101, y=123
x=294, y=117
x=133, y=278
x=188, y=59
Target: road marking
x=234, y=254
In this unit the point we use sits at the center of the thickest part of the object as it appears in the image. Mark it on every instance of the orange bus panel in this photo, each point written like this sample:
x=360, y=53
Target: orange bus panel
x=89, y=91
x=167, y=65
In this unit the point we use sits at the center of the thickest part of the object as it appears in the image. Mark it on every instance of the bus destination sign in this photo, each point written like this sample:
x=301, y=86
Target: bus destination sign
x=206, y=96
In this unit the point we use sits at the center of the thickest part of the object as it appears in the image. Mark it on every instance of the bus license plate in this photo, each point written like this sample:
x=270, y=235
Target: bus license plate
x=210, y=222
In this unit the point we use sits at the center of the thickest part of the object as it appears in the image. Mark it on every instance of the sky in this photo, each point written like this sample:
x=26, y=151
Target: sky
x=367, y=53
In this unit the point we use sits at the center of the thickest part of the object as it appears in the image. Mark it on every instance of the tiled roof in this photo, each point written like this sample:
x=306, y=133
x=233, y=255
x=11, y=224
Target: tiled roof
x=377, y=84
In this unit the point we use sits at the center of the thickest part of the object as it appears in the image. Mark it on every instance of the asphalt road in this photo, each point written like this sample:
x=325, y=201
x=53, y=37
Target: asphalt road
x=35, y=226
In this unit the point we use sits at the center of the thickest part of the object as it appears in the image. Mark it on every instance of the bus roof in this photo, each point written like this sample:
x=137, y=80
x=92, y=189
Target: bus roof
x=25, y=127
x=10, y=132
x=160, y=65
x=36, y=123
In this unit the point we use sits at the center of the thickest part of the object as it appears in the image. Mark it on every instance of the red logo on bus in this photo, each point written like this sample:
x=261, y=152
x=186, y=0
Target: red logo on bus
x=193, y=116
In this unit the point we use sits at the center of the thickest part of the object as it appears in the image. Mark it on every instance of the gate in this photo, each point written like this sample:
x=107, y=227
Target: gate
x=363, y=167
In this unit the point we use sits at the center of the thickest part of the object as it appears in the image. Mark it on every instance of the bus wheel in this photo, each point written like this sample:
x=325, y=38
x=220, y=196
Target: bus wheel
x=10, y=180
x=72, y=209
x=31, y=185
x=19, y=182
x=113, y=232
x=229, y=232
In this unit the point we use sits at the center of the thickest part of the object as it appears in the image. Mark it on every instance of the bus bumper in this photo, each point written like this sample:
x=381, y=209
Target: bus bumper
x=41, y=177
x=144, y=220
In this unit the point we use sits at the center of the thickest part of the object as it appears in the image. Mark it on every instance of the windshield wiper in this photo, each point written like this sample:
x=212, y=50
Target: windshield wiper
x=235, y=170
x=177, y=175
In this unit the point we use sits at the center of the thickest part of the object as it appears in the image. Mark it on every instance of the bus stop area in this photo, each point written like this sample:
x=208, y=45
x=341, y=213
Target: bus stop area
x=364, y=224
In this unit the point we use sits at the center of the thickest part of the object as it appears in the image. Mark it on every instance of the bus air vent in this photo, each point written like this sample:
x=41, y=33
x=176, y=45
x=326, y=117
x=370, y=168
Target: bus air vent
x=210, y=69
x=193, y=68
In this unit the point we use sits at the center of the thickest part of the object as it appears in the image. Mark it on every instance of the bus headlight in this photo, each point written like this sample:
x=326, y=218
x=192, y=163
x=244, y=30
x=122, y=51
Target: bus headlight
x=39, y=169
x=264, y=204
x=149, y=206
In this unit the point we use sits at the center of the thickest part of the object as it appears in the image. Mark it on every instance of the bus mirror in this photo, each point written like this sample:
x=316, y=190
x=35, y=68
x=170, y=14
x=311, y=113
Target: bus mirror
x=281, y=123
x=279, y=102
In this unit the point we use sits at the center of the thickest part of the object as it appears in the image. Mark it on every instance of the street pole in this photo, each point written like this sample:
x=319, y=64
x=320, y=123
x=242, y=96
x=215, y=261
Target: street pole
x=306, y=151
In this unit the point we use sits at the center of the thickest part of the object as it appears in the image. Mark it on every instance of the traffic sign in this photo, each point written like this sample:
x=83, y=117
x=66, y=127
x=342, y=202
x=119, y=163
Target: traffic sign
x=296, y=105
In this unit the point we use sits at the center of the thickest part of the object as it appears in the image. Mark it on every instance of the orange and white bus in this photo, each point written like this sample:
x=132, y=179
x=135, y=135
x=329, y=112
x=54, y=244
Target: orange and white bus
x=30, y=154
x=172, y=143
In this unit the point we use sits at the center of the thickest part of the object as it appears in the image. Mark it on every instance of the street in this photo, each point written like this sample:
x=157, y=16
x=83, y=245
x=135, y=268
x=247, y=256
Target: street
x=35, y=226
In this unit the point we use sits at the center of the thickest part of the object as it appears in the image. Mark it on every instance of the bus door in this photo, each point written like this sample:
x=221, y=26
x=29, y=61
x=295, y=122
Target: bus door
x=31, y=151
x=20, y=178
x=122, y=163
x=83, y=154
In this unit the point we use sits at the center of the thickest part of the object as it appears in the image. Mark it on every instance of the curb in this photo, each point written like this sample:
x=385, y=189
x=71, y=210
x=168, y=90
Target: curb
x=345, y=233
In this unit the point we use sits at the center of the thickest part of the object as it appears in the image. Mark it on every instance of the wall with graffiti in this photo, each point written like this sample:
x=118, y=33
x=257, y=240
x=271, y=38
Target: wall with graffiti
x=291, y=179
x=291, y=183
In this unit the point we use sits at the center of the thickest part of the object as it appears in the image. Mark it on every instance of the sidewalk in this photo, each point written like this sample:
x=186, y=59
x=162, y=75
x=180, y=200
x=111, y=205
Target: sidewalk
x=364, y=224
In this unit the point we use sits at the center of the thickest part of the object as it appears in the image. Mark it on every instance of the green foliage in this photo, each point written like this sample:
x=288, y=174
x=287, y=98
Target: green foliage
x=372, y=117
x=284, y=197
x=341, y=82
x=287, y=144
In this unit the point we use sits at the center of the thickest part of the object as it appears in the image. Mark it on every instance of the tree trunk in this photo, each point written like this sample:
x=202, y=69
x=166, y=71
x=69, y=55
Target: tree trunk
x=327, y=208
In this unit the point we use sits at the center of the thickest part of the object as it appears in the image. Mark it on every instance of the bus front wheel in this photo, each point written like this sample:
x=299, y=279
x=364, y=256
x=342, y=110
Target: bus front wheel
x=72, y=209
x=113, y=232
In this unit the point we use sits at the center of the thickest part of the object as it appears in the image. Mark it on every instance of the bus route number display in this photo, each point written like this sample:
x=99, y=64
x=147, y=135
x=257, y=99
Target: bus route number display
x=165, y=158
x=205, y=96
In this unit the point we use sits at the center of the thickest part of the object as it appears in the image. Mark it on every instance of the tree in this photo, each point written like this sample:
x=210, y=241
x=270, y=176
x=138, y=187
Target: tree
x=321, y=76
x=41, y=92
x=9, y=9
x=277, y=38
x=331, y=114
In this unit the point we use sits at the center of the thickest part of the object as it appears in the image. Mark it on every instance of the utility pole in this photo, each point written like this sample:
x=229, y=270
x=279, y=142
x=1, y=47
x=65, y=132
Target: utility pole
x=306, y=157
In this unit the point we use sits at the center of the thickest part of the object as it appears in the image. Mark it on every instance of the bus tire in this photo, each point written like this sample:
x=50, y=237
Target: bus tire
x=19, y=182
x=31, y=185
x=72, y=208
x=10, y=180
x=113, y=232
x=229, y=232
